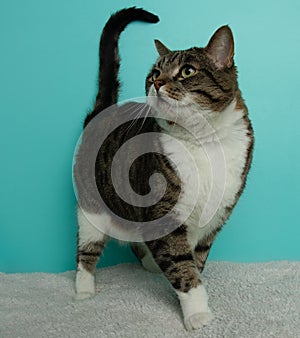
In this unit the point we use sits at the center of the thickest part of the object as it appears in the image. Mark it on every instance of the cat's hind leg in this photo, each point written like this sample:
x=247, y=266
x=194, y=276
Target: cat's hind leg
x=202, y=249
x=144, y=255
x=174, y=256
x=90, y=244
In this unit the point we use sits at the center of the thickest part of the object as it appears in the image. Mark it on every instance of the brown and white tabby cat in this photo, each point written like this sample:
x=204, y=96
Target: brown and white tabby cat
x=207, y=79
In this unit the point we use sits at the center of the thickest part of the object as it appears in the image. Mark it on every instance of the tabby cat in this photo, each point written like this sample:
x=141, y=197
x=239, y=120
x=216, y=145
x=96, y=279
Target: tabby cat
x=204, y=82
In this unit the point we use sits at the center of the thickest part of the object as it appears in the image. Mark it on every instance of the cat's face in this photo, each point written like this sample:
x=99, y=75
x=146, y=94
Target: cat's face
x=202, y=77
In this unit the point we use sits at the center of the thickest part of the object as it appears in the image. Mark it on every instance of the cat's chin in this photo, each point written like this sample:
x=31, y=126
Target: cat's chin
x=160, y=101
x=166, y=106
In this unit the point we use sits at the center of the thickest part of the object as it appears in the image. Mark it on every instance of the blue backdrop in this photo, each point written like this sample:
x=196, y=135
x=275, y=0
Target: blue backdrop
x=49, y=62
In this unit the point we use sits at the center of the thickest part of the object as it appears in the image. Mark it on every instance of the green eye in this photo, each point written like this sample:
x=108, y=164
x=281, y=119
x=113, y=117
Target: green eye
x=155, y=74
x=187, y=71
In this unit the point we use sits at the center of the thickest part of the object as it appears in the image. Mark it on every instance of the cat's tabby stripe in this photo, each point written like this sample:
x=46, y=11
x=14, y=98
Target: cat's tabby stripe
x=183, y=257
x=174, y=57
x=89, y=253
x=209, y=96
x=202, y=248
x=217, y=83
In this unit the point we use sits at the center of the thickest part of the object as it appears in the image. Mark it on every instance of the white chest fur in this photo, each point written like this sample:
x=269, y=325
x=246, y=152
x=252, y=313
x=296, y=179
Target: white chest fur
x=230, y=131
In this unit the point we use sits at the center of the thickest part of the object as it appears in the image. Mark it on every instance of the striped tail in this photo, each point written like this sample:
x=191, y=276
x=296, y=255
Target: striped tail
x=108, y=83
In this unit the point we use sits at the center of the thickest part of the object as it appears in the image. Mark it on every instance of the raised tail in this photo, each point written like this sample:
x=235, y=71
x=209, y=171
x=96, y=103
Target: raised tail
x=108, y=85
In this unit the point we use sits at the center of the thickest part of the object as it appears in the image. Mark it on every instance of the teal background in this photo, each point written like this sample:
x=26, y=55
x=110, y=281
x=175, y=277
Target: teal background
x=48, y=73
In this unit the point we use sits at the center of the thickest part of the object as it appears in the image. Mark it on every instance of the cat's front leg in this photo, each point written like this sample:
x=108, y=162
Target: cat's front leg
x=90, y=245
x=174, y=256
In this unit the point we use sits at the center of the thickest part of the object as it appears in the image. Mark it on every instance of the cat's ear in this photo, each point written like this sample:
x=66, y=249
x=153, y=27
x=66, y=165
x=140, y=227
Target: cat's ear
x=220, y=48
x=161, y=48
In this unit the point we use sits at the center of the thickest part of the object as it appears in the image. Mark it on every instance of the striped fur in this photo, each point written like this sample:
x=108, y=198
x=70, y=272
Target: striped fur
x=213, y=87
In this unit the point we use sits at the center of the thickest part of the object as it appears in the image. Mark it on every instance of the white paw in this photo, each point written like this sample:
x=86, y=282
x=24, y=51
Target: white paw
x=197, y=320
x=84, y=295
x=85, y=284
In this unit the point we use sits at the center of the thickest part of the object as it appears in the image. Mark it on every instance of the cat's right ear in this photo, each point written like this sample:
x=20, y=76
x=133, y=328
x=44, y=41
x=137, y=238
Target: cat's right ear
x=161, y=48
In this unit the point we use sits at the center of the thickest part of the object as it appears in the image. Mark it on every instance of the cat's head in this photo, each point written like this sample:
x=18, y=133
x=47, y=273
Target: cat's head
x=205, y=77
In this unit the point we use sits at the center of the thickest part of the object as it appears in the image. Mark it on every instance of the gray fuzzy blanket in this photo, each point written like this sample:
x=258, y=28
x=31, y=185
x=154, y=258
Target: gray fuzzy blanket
x=248, y=300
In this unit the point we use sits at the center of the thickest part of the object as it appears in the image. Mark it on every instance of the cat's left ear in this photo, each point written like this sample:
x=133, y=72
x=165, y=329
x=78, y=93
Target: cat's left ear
x=161, y=48
x=220, y=48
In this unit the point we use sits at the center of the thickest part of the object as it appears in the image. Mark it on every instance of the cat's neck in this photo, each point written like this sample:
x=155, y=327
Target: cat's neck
x=207, y=126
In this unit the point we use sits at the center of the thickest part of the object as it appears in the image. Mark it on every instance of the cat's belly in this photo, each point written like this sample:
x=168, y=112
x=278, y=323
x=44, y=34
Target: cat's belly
x=205, y=189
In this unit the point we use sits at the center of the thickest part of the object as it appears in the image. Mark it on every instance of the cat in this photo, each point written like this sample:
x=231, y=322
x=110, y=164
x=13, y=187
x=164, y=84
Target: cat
x=198, y=82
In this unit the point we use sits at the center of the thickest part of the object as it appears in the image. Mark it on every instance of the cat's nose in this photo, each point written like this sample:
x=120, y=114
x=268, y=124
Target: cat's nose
x=158, y=84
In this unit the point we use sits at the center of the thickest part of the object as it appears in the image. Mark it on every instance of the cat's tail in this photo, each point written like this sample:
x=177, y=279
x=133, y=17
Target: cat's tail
x=109, y=56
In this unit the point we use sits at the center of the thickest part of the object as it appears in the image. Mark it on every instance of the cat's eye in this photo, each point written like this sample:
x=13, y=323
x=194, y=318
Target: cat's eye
x=187, y=71
x=155, y=74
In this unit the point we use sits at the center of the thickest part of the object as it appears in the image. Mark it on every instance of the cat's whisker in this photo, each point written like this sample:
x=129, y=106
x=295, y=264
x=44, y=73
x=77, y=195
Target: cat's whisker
x=135, y=119
x=147, y=114
x=145, y=117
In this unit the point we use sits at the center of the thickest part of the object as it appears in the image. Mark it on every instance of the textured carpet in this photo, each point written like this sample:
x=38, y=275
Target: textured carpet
x=248, y=300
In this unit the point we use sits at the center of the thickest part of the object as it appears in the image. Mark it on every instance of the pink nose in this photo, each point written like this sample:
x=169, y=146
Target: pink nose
x=158, y=84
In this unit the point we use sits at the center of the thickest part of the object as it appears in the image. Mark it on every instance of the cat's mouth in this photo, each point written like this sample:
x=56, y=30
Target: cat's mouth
x=161, y=103
x=172, y=103
x=167, y=108
x=161, y=99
